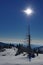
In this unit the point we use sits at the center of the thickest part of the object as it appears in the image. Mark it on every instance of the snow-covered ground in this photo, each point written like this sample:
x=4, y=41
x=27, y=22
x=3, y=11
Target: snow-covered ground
x=8, y=58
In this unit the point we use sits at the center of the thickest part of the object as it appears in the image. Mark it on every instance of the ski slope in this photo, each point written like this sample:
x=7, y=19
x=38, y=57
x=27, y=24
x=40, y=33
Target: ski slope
x=8, y=58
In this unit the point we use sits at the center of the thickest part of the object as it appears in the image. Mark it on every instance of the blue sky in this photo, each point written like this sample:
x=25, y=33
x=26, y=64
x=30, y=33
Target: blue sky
x=13, y=22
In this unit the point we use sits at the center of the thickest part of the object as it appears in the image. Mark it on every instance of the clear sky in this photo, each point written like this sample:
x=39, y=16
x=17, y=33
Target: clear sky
x=13, y=22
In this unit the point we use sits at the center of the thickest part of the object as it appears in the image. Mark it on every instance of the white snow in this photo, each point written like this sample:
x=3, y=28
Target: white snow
x=11, y=59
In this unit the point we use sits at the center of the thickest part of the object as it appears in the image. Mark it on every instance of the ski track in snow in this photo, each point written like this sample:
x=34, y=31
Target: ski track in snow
x=11, y=59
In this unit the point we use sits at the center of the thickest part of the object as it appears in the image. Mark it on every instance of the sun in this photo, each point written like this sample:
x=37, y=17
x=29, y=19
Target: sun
x=28, y=11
